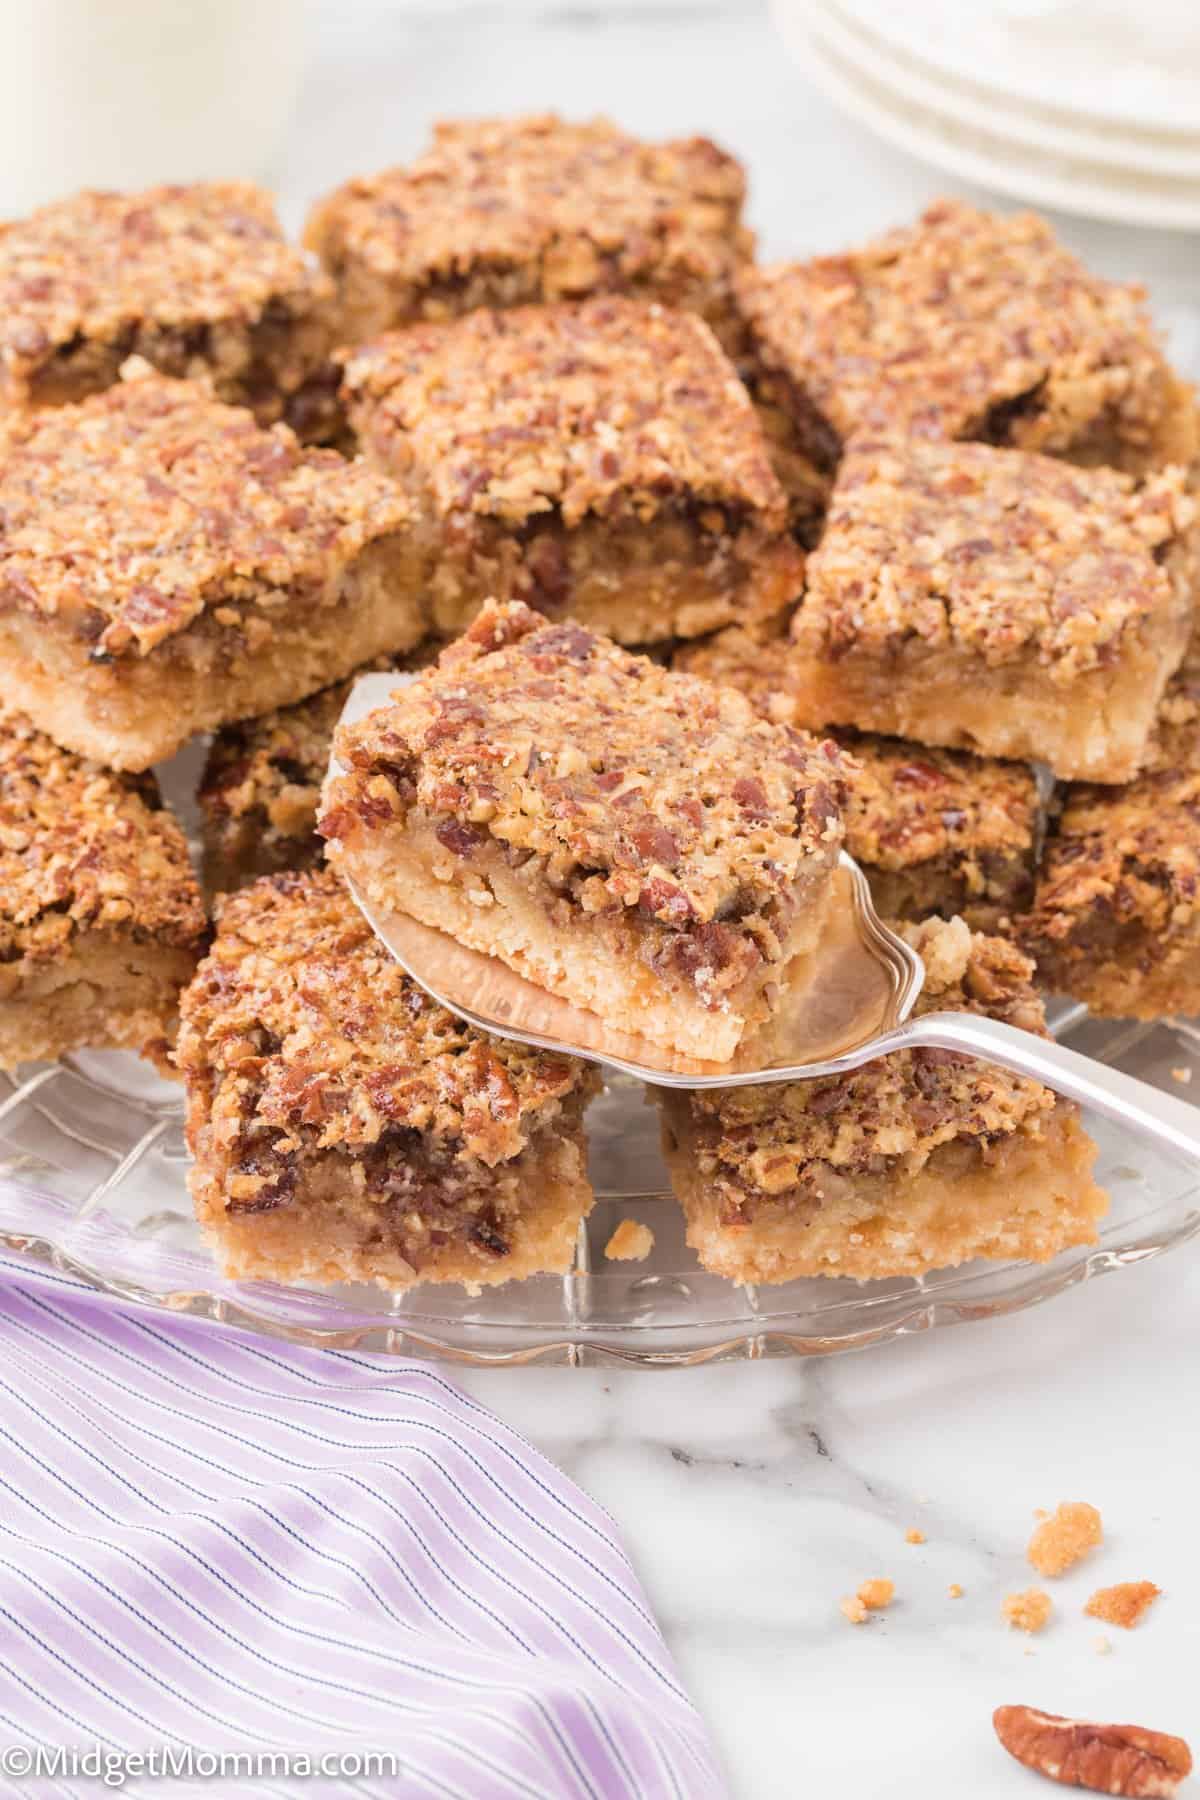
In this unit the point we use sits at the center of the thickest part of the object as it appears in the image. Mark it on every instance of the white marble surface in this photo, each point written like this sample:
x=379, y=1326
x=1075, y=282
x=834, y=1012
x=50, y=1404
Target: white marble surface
x=753, y=1496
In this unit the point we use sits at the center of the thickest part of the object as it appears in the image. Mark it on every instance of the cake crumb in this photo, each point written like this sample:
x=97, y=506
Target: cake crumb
x=630, y=1242
x=1123, y=1604
x=955, y=1591
x=1039, y=1512
x=913, y=1536
x=1182, y=1076
x=872, y=1596
x=1102, y=1646
x=876, y=1593
x=1064, y=1538
x=1029, y=1611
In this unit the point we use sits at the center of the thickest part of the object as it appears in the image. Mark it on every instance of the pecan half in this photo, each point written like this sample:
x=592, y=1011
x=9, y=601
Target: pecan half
x=1107, y=1759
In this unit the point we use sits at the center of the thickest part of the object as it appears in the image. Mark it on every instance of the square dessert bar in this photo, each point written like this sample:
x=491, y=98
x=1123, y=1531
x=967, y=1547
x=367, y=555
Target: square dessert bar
x=101, y=921
x=600, y=459
x=197, y=280
x=1006, y=603
x=936, y=832
x=261, y=785
x=1116, y=918
x=260, y=789
x=919, y=1161
x=631, y=839
x=345, y=1127
x=167, y=565
x=940, y=832
x=503, y=211
x=966, y=324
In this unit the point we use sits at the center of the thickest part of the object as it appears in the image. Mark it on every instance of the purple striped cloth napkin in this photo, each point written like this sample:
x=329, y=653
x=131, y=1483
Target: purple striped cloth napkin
x=218, y=1546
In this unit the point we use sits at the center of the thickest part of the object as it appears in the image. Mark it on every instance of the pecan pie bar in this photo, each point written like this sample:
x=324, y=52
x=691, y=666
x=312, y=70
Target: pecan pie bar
x=197, y=280
x=259, y=791
x=1003, y=602
x=940, y=832
x=345, y=1127
x=631, y=839
x=919, y=1161
x=967, y=324
x=936, y=832
x=261, y=784
x=167, y=565
x=503, y=211
x=101, y=922
x=1116, y=918
x=600, y=459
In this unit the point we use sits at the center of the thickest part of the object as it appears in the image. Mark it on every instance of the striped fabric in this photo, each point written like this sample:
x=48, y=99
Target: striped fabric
x=215, y=1541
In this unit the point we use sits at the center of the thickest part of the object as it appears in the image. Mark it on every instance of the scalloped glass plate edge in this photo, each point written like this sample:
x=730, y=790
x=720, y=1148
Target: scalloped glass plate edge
x=923, y=1310
x=92, y=1186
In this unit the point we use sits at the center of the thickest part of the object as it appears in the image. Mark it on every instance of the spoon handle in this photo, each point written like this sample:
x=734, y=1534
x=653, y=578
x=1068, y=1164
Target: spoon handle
x=1122, y=1098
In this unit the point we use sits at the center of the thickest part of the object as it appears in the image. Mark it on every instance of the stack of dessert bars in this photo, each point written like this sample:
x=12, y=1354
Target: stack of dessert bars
x=699, y=569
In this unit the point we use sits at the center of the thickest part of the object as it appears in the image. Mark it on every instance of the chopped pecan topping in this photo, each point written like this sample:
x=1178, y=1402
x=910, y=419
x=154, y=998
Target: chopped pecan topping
x=458, y=838
x=768, y=1140
x=613, y=409
x=109, y=269
x=1073, y=560
x=657, y=790
x=301, y=1035
x=964, y=324
x=539, y=208
x=902, y=810
x=1124, y=857
x=87, y=533
x=83, y=848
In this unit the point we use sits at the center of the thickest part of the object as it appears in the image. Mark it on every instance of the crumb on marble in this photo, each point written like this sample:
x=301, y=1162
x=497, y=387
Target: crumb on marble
x=913, y=1536
x=1028, y=1611
x=1102, y=1646
x=1181, y=1075
x=1123, y=1605
x=630, y=1242
x=956, y=1591
x=853, y=1609
x=1062, y=1539
x=1039, y=1512
x=877, y=1593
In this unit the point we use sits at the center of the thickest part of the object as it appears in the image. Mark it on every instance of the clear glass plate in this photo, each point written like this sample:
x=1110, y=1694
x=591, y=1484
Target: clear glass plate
x=92, y=1168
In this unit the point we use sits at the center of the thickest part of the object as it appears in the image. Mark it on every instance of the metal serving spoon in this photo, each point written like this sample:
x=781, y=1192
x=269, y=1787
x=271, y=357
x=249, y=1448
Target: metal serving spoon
x=843, y=1007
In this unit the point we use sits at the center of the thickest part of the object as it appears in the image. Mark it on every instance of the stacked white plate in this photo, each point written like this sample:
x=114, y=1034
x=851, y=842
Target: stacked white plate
x=1091, y=106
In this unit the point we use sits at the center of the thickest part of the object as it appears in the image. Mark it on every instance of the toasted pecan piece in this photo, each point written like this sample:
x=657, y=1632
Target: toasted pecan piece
x=1106, y=1759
